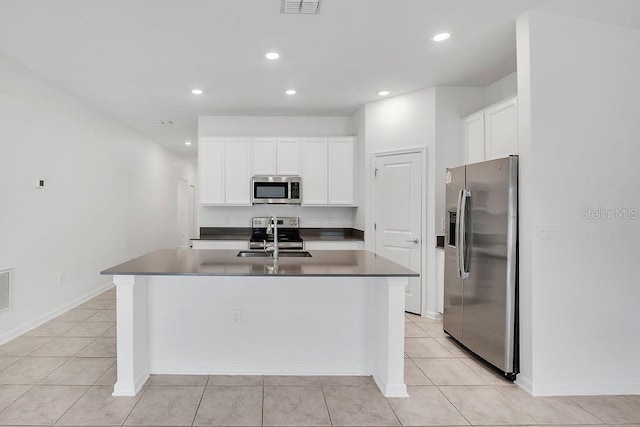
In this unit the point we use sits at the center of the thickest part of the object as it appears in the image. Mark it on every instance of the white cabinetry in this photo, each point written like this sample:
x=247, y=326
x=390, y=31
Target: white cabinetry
x=264, y=156
x=211, y=162
x=334, y=245
x=314, y=171
x=327, y=171
x=227, y=164
x=474, y=137
x=288, y=156
x=224, y=167
x=492, y=133
x=340, y=173
x=501, y=129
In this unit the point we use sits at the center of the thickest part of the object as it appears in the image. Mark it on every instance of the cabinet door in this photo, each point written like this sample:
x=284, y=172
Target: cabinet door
x=501, y=129
x=238, y=172
x=340, y=171
x=220, y=244
x=264, y=156
x=211, y=161
x=336, y=245
x=314, y=171
x=288, y=156
x=474, y=138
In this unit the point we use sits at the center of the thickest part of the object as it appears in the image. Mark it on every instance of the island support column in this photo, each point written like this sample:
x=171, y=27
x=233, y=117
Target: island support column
x=133, y=334
x=389, y=336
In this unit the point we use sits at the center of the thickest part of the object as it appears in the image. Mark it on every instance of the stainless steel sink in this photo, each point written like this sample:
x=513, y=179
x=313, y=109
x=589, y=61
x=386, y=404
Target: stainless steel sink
x=283, y=254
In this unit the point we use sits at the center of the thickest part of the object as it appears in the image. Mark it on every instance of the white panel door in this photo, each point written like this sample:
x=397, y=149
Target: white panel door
x=264, y=156
x=314, y=171
x=398, y=212
x=211, y=161
x=238, y=172
x=340, y=171
x=474, y=138
x=288, y=156
x=501, y=130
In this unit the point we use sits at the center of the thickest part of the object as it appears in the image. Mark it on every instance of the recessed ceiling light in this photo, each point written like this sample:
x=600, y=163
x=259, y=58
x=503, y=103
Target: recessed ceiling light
x=164, y=122
x=197, y=91
x=290, y=92
x=441, y=37
x=187, y=143
x=384, y=93
x=272, y=55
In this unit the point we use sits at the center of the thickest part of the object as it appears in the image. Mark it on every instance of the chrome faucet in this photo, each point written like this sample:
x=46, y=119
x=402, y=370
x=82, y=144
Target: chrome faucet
x=272, y=228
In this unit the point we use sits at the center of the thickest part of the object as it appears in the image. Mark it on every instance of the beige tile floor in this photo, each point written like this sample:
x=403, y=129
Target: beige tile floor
x=62, y=374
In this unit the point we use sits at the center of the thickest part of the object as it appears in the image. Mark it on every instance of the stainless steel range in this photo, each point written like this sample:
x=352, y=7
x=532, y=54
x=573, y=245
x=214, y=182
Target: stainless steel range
x=288, y=234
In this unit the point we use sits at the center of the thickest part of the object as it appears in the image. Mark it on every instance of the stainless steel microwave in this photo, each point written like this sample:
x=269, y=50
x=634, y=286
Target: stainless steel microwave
x=276, y=190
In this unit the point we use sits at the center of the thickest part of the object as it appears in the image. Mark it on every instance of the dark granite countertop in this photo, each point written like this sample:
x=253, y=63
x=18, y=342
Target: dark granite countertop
x=310, y=234
x=210, y=262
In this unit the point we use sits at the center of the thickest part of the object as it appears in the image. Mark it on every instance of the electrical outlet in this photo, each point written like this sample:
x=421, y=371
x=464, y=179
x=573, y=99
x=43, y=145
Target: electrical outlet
x=236, y=316
x=60, y=277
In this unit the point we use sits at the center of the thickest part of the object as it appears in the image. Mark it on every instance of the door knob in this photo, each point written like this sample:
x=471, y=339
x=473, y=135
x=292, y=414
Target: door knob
x=414, y=241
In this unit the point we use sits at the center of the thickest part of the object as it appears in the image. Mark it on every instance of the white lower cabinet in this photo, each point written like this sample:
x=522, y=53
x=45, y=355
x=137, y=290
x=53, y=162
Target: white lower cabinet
x=335, y=245
x=220, y=244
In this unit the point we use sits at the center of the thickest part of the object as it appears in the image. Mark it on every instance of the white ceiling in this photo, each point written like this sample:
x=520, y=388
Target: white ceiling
x=138, y=60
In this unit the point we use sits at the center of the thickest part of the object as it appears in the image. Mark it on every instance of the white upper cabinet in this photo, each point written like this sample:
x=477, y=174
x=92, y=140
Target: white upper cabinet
x=501, y=129
x=288, y=156
x=340, y=163
x=314, y=171
x=238, y=172
x=211, y=162
x=492, y=133
x=264, y=156
x=327, y=171
x=474, y=137
x=224, y=167
x=227, y=164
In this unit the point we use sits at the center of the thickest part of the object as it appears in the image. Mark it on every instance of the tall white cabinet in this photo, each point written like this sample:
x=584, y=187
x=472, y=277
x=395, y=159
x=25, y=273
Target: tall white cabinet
x=492, y=133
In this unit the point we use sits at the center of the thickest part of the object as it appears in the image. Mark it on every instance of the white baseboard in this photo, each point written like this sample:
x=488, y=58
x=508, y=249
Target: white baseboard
x=585, y=389
x=391, y=390
x=130, y=389
x=259, y=368
x=433, y=315
x=524, y=383
x=32, y=324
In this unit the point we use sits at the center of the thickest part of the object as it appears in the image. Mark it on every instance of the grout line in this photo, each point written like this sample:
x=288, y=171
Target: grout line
x=452, y=404
x=73, y=404
x=142, y=392
x=200, y=402
x=263, y=392
x=580, y=406
x=327, y=405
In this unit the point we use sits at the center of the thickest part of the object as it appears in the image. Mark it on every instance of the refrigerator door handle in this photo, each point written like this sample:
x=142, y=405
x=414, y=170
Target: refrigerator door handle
x=463, y=257
x=458, y=239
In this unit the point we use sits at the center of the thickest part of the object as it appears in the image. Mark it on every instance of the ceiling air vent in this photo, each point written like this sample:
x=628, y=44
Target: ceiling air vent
x=300, y=6
x=5, y=287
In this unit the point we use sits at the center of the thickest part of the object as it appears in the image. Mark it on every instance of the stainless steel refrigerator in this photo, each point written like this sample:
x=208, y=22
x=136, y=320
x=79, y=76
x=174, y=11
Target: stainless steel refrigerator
x=481, y=260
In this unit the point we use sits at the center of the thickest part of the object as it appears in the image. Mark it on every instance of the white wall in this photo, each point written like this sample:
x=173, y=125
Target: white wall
x=501, y=89
x=579, y=104
x=109, y=195
x=401, y=122
x=213, y=216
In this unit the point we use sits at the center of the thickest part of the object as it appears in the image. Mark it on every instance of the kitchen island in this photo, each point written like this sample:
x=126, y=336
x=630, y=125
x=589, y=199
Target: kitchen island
x=211, y=312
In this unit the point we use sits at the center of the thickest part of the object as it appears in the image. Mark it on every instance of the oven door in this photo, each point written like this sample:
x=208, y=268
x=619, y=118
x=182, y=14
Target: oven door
x=269, y=190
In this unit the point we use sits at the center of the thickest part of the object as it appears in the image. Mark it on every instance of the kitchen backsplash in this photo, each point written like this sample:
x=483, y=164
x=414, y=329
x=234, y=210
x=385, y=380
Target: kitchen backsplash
x=232, y=216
